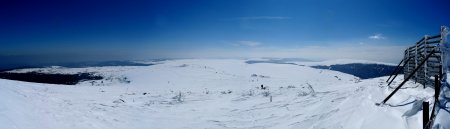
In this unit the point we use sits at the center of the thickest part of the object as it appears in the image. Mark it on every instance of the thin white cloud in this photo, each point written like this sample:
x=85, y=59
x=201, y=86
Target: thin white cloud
x=264, y=18
x=377, y=36
x=247, y=43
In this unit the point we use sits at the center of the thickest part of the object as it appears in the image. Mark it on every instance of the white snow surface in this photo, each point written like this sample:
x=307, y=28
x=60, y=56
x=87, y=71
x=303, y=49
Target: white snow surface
x=211, y=93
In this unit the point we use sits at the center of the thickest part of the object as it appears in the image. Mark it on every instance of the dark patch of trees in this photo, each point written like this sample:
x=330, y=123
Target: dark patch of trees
x=65, y=79
x=363, y=71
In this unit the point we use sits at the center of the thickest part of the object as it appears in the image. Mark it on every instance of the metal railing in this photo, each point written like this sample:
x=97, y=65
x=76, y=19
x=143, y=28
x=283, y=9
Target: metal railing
x=425, y=63
x=417, y=54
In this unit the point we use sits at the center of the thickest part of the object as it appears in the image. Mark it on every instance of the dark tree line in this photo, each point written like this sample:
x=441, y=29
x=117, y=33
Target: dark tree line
x=363, y=71
x=65, y=79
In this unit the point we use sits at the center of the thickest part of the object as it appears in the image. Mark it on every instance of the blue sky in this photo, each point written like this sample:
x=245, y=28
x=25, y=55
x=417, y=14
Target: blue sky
x=376, y=29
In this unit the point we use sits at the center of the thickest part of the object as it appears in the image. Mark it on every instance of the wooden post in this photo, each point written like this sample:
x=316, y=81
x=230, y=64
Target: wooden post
x=399, y=71
x=415, y=62
x=406, y=74
x=395, y=70
x=437, y=88
x=426, y=114
x=440, y=71
x=425, y=66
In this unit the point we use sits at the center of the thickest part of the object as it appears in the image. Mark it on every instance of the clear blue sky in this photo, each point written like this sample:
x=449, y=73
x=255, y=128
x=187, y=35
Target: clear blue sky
x=164, y=27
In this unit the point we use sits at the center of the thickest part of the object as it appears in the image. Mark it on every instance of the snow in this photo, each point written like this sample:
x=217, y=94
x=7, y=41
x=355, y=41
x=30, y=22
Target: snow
x=443, y=112
x=210, y=93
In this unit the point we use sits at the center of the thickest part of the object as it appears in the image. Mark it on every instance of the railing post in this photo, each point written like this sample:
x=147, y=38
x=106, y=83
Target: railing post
x=399, y=70
x=416, y=60
x=424, y=70
x=395, y=70
x=426, y=114
x=443, y=46
x=440, y=72
x=406, y=74
x=437, y=88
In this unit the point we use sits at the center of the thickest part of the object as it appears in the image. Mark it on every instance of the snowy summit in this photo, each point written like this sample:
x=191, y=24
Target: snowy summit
x=209, y=93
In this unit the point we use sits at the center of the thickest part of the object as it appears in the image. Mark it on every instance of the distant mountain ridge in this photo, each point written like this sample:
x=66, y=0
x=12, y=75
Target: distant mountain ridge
x=363, y=69
x=73, y=65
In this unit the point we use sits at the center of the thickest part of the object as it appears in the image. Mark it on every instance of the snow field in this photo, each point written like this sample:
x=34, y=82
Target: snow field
x=209, y=93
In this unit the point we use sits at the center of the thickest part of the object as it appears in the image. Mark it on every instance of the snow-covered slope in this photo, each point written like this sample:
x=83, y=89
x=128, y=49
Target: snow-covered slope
x=210, y=93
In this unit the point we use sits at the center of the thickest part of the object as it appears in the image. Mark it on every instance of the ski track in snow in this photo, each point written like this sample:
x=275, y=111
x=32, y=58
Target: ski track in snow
x=151, y=100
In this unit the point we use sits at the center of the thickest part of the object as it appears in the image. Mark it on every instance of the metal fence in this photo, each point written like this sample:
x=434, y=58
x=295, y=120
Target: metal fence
x=425, y=63
x=417, y=53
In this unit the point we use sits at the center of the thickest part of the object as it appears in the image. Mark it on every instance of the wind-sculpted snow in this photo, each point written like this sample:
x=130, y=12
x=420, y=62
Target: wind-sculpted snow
x=180, y=94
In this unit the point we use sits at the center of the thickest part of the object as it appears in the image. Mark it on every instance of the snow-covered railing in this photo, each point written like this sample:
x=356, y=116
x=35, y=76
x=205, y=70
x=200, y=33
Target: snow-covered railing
x=396, y=71
x=432, y=52
x=426, y=63
x=432, y=66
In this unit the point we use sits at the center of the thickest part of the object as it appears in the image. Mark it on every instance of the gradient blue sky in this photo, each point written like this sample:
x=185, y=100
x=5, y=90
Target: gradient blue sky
x=220, y=28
